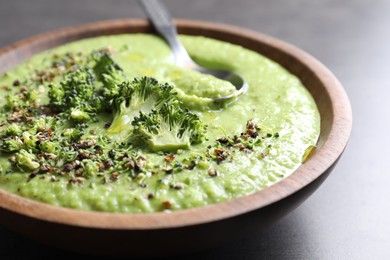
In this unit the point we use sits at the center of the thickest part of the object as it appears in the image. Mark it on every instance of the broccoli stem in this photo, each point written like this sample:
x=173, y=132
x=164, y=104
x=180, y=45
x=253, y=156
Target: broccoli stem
x=121, y=128
x=168, y=139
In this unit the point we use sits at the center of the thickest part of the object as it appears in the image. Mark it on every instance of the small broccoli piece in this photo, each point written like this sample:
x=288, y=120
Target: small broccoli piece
x=13, y=101
x=56, y=95
x=141, y=95
x=43, y=123
x=76, y=92
x=26, y=160
x=79, y=115
x=168, y=129
x=73, y=134
x=31, y=96
x=90, y=168
x=68, y=155
x=10, y=145
x=49, y=147
x=29, y=140
x=10, y=130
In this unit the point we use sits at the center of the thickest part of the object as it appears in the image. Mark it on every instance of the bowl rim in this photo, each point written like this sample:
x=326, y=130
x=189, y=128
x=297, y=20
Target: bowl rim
x=319, y=163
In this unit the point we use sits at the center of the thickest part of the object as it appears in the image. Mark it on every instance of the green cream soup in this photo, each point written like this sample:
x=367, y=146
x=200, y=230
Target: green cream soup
x=252, y=143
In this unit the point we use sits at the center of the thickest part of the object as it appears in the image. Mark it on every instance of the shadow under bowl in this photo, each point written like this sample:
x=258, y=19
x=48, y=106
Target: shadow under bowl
x=160, y=234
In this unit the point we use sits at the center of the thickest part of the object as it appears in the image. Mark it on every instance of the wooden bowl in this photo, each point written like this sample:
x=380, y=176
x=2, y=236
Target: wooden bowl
x=184, y=231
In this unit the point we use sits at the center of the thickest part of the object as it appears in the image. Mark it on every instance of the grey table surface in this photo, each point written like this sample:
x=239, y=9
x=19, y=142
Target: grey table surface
x=349, y=216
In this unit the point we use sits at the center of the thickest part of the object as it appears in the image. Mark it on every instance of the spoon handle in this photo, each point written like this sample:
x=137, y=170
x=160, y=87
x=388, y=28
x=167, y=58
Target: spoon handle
x=163, y=23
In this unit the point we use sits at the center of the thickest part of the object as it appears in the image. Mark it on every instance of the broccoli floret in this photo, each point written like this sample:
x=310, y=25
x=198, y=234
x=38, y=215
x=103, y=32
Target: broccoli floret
x=10, y=145
x=104, y=63
x=141, y=95
x=26, y=160
x=76, y=95
x=169, y=128
x=109, y=72
x=112, y=81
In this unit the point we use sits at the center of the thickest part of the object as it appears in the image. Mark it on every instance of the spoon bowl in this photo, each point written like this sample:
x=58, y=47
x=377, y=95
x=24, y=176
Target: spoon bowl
x=161, y=19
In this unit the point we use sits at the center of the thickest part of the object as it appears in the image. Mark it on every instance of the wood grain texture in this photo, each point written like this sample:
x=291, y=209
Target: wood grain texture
x=186, y=228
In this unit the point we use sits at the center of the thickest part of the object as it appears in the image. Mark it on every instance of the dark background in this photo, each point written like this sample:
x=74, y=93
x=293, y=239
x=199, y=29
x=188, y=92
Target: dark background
x=349, y=216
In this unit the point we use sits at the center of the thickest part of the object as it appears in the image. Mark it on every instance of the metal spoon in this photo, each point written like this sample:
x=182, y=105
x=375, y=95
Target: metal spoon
x=162, y=21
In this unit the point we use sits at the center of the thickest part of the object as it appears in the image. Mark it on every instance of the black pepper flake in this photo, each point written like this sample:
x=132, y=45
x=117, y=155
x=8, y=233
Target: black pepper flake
x=77, y=180
x=167, y=204
x=168, y=170
x=250, y=124
x=108, y=164
x=68, y=167
x=86, y=144
x=98, y=151
x=213, y=172
x=79, y=172
x=248, y=150
x=223, y=140
x=192, y=165
x=100, y=165
x=250, y=132
x=169, y=158
x=45, y=168
x=114, y=176
x=107, y=125
x=140, y=163
x=150, y=196
x=220, y=154
x=240, y=146
x=83, y=156
x=123, y=156
x=111, y=153
x=16, y=83
x=178, y=186
x=31, y=176
x=130, y=165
